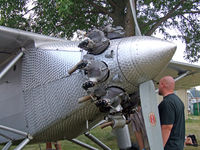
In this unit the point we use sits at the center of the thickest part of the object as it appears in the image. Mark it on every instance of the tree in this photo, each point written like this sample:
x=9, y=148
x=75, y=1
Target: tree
x=63, y=17
x=12, y=14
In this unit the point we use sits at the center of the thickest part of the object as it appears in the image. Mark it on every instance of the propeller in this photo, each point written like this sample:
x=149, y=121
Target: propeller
x=133, y=9
x=151, y=115
x=149, y=111
x=149, y=102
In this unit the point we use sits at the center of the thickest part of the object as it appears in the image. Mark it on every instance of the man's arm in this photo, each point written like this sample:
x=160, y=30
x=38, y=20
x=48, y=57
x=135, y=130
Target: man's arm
x=139, y=139
x=166, y=130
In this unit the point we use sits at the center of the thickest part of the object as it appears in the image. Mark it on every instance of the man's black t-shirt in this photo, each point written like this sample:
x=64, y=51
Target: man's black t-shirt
x=171, y=111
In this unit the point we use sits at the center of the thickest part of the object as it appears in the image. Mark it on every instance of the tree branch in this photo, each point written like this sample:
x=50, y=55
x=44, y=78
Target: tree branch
x=192, y=12
x=100, y=8
x=28, y=11
x=175, y=14
x=191, y=23
x=163, y=19
x=112, y=3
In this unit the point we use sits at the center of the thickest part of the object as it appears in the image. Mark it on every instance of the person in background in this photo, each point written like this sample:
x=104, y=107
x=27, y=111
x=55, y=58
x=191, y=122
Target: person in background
x=56, y=144
x=138, y=127
x=172, y=117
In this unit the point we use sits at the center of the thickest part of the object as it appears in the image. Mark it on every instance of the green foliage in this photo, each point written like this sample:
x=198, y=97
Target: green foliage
x=63, y=17
x=12, y=14
x=175, y=14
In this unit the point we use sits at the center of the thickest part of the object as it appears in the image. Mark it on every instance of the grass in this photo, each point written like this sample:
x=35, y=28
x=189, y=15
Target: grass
x=106, y=136
x=193, y=127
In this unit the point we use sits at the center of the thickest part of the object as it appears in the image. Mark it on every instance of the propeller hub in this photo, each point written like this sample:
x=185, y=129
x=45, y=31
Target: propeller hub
x=141, y=58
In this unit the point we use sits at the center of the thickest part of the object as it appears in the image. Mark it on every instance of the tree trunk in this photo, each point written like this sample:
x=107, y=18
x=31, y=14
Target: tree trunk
x=122, y=16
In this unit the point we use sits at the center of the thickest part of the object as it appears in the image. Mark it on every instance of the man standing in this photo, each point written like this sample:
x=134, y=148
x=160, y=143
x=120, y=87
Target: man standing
x=172, y=118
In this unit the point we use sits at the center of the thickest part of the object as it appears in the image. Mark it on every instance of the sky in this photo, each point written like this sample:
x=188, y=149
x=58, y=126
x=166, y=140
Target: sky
x=179, y=54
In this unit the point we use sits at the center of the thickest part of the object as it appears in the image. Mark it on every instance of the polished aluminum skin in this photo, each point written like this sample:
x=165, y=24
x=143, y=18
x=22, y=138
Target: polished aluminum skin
x=142, y=58
x=49, y=95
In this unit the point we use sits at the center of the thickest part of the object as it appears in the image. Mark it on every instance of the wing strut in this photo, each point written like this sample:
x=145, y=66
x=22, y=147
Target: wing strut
x=151, y=116
x=93, y=139
x=97, y=141
x=15, y=131
x=11, y=64
x=181, y=76
x=83, y=144
x=7, y=146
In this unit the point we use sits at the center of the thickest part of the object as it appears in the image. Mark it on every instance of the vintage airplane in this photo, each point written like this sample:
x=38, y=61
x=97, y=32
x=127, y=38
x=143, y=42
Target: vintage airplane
x=53, y=90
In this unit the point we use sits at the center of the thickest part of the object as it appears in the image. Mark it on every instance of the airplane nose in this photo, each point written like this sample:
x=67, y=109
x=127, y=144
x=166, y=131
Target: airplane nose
x=141, y=58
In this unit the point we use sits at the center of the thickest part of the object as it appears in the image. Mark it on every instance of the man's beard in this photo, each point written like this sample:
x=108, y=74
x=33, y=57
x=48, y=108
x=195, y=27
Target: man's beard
x=160, y=93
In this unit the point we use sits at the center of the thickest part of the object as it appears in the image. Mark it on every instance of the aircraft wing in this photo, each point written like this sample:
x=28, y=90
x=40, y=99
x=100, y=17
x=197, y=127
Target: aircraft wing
x=187, y=75
x=12, y=40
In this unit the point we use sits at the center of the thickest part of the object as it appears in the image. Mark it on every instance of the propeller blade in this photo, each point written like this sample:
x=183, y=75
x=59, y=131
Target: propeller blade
x=133, y=7
x=150, y=115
